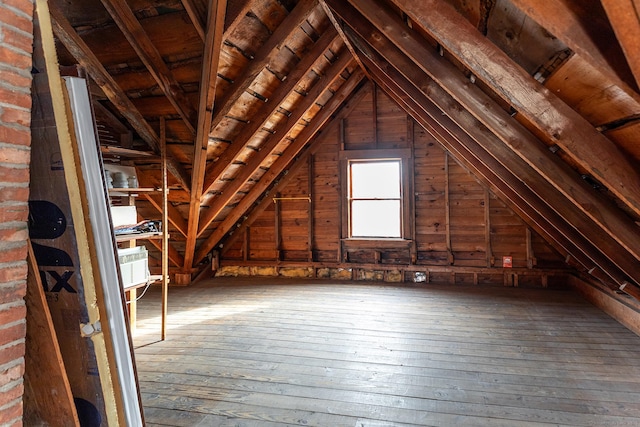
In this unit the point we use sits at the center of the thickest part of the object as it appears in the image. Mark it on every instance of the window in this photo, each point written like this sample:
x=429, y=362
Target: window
x=375, y=198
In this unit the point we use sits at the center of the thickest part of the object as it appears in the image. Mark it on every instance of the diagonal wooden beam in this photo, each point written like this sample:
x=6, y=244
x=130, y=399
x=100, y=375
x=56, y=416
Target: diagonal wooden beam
x=266, y=54
x=497, y=165
x=282, y=130
x=138, y=38
x=552, y=118
x=505, y=185
x=208, y=81
x=87, y=59
x=607, y=217
x=586, y=32
x=174, y=256
x=236, y=10
x=175, y=217
x=258, y=120
x=282, y=163
x=196, y=15
x=296, y=167
x=624, y=16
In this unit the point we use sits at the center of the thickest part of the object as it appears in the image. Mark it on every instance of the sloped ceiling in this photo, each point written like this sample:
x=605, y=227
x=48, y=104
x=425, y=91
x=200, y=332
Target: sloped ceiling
x=538, y=99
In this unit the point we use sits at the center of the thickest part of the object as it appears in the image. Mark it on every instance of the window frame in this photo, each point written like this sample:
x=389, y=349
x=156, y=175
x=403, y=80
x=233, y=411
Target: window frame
x=406, y=206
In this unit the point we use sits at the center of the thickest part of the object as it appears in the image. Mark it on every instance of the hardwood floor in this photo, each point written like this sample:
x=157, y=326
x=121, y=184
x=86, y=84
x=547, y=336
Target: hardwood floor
x=268, y=353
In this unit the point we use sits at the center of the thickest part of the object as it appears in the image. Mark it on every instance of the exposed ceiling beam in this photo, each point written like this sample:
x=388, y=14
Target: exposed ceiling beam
x=507, y=169
x=140, y=41
x=576, y=194
x=552, y=118
x=87, y=59
x=504, y=184
x=208, y=81
x=259, y=119
x=281, y=131
x=585, y=32
x=297, y=166
x=282, y=163
x=262, y=58
x=196, y=15
x=173, y=214
x=624, y=16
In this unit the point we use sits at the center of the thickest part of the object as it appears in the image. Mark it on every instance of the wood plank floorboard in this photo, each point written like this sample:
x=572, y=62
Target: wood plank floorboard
x=274, y=352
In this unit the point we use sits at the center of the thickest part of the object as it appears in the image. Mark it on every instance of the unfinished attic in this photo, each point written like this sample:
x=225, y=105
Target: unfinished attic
x=345, y=212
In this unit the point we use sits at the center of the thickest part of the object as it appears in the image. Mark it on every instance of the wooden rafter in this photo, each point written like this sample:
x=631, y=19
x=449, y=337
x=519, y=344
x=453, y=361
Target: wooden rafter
x=511, y=133
x=505, y=185
x=282, y=163
x=210, y=59
x=196, y=15
x=258, y=120
x=262, y=58
x=297, y=166
x=87, y=59
x=624, y=16
x=406, y=84
x=138, y=38
x=280, y=133
x=595, y=42
x=175, y=217
x=552, y=118
x=174, y=256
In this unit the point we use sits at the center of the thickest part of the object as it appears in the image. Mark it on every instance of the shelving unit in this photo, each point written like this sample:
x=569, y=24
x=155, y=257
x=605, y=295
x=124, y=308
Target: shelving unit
x=129, y=240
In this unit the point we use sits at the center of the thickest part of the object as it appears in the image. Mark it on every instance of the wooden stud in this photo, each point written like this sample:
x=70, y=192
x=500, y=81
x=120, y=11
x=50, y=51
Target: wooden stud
x=208, y=82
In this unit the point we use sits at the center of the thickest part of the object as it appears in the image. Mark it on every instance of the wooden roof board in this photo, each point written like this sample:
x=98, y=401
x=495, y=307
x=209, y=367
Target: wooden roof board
x=526, y=42
x=249, y=35
x=590, y=93
x=627, y=138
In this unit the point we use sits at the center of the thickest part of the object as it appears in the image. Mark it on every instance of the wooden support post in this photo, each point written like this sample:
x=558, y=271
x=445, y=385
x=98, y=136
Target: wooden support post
x=310, y=234
x=411, y=191
x=245, y=243
x=374, y=114
x=277, y=227
x=165, y=227
x=487, y=228
x=447, y=208
x=531, y=259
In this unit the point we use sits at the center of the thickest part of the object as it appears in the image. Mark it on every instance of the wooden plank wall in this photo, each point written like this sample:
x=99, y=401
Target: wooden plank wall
x=458, y=223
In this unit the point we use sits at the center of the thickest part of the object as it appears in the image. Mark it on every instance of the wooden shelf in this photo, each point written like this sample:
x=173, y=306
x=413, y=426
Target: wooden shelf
x=129, y=191
x=137, y=236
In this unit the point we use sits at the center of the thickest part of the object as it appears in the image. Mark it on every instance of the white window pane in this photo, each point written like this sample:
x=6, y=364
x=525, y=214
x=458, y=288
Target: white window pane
x=375, y=218
x=375, y=180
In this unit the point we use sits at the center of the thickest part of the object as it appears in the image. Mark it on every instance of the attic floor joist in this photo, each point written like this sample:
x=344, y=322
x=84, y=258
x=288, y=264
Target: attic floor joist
x=550, y=212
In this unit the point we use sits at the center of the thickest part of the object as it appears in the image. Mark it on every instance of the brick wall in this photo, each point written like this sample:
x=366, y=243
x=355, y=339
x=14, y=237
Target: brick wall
x=16, y=40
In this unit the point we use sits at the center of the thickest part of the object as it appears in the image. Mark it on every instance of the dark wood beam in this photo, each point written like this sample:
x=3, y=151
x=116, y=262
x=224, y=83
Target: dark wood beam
x=282, y=163
x=510, y=132
x=624, y=16
x=586, y=32
x=197, y=16
x=208, y=81
x=262, y=58
x=258, y=120
x=552, y=118
x=479, y=159
x=87, y=59
x=138, y=38
x=175, y=217
x=281, y=131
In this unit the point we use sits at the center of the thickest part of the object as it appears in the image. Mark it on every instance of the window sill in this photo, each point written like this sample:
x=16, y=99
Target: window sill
x=376, y=243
